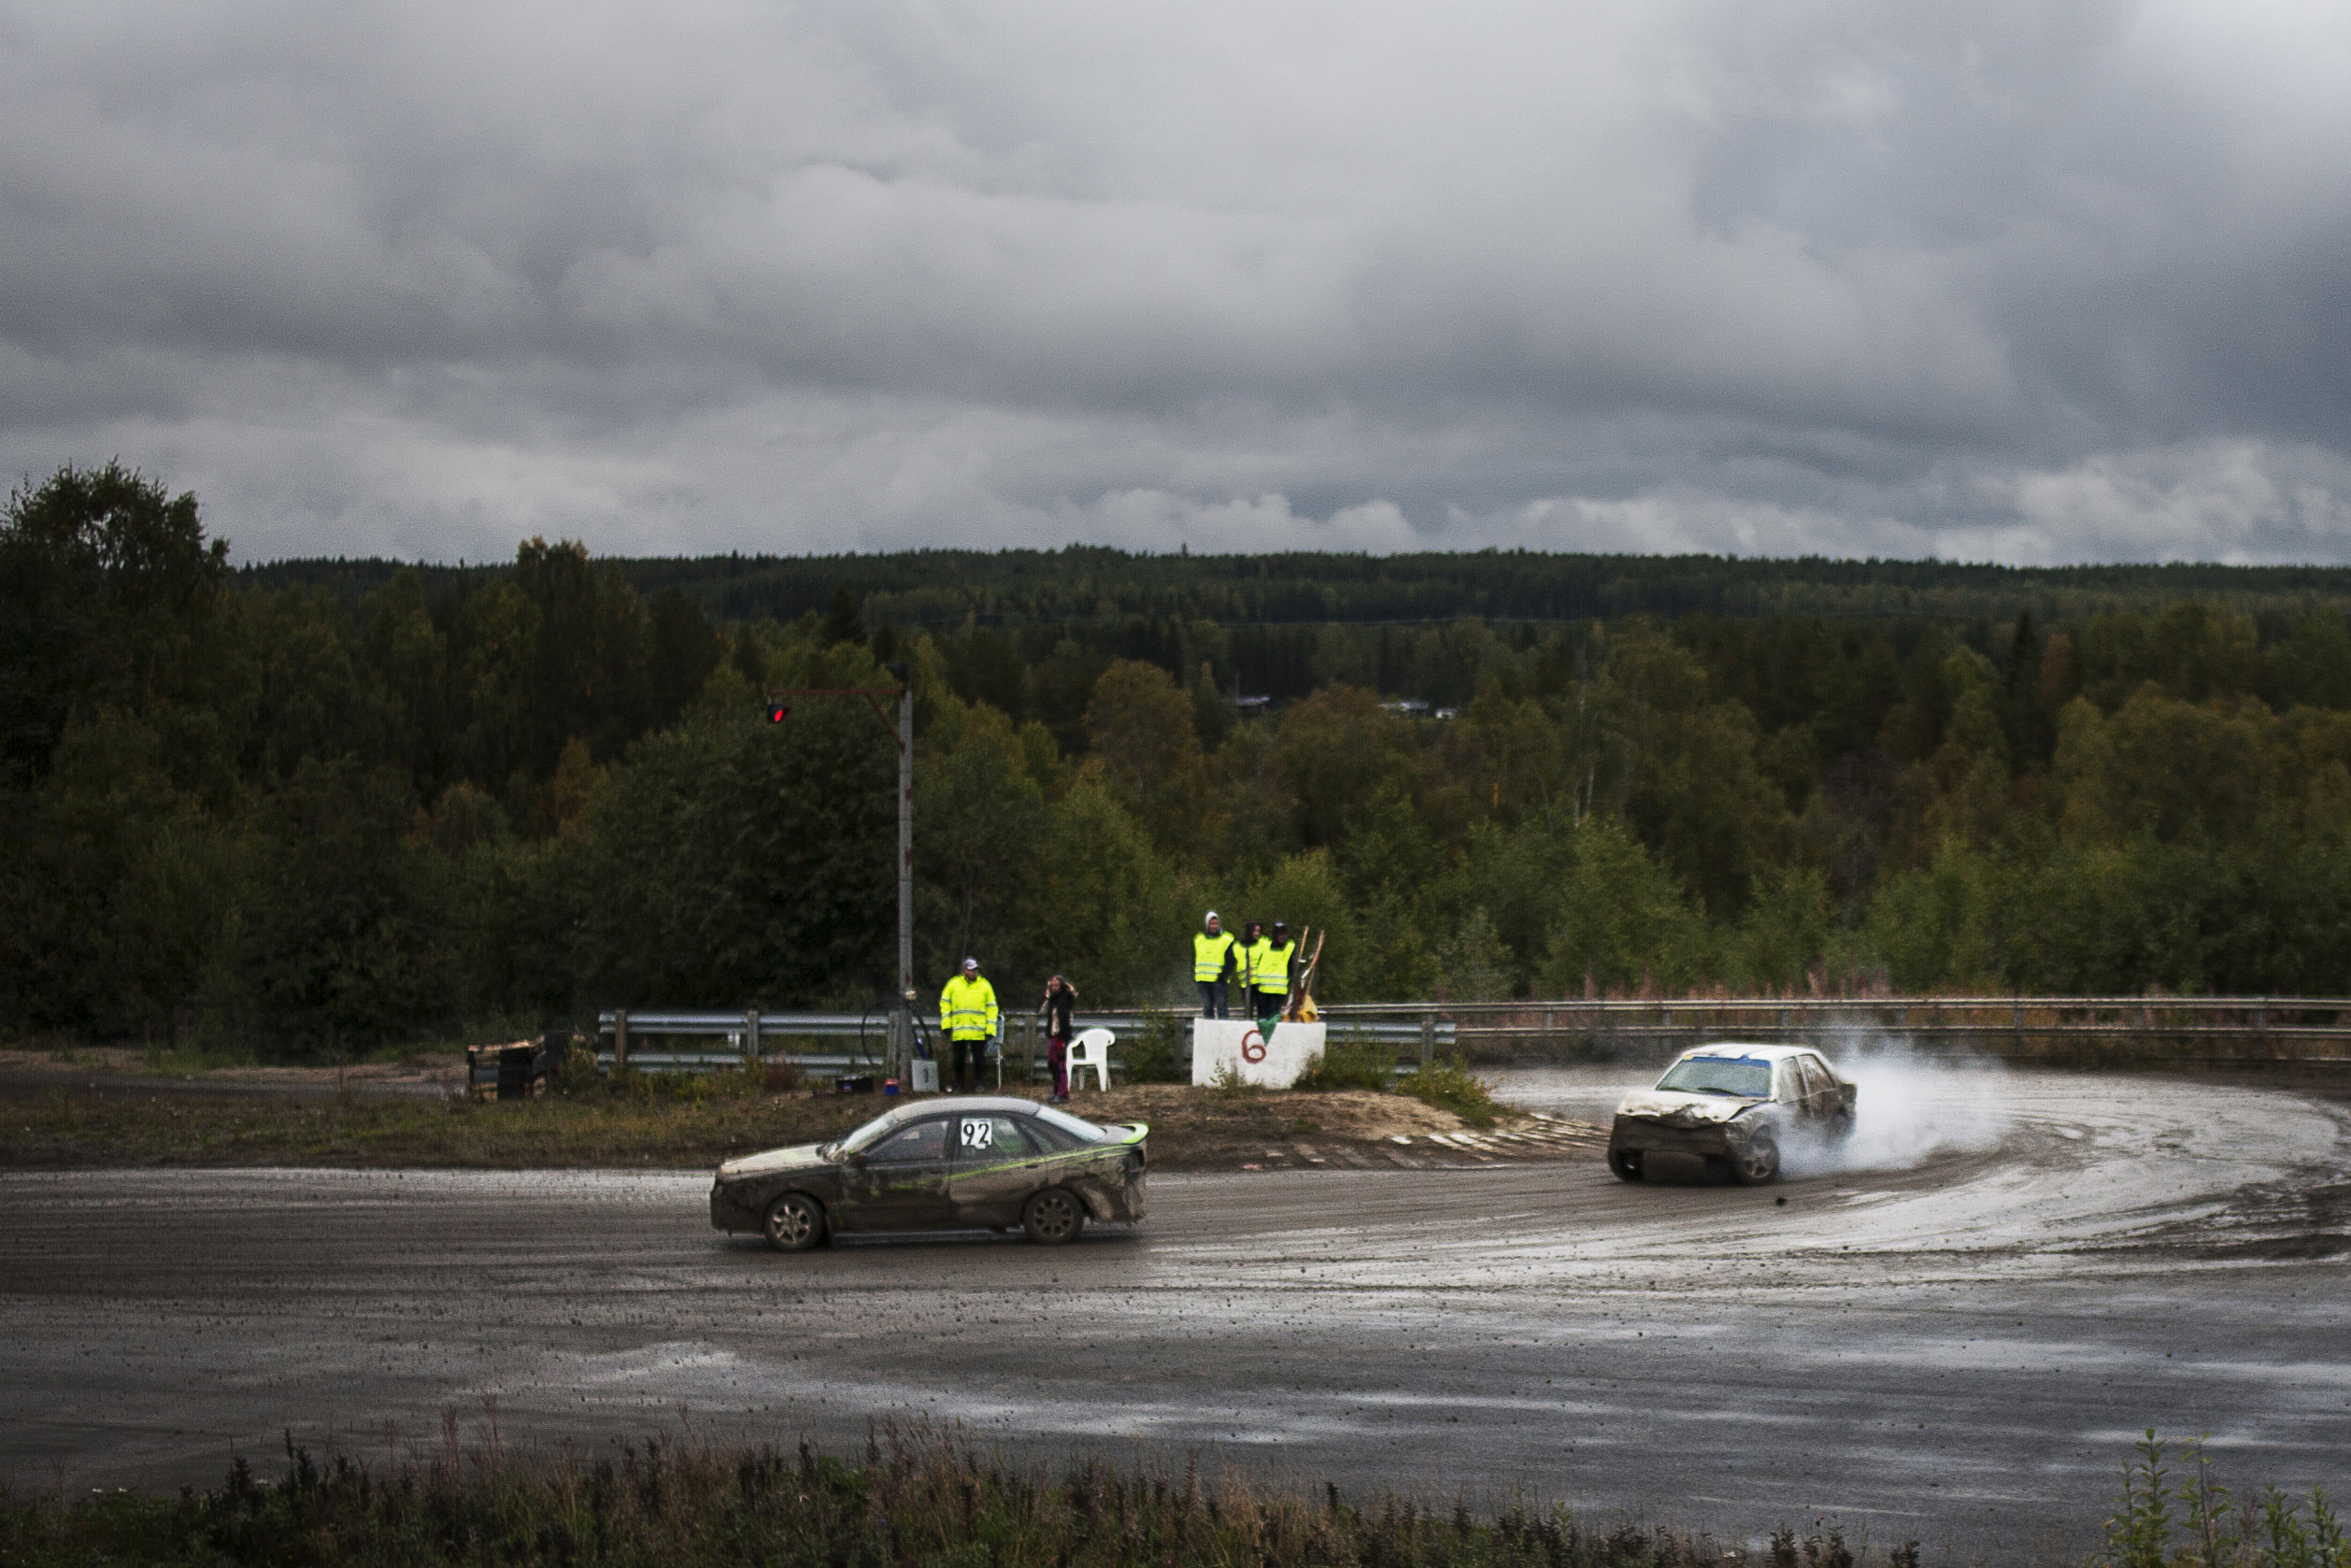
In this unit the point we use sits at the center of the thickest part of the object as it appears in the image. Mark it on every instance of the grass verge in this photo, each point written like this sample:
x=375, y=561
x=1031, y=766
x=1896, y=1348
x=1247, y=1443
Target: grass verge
x=925, y=1499
x=643, y=1121
x=919, y=1499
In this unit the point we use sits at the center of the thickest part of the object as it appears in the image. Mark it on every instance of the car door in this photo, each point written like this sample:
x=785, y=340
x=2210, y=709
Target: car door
x=901, y=1183
x=997, y=1165
x=1820, y=1090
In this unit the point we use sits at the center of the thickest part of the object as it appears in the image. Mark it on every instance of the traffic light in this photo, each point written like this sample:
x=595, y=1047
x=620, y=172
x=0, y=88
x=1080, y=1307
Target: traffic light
x=777, y=713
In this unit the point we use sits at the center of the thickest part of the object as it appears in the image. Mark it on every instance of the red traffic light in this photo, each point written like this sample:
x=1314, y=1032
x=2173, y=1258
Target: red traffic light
x=777, y=713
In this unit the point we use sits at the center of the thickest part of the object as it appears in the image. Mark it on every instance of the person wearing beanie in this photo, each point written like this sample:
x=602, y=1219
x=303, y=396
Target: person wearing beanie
x=1212, y=962
x=1269, y=972
x=1247, y=955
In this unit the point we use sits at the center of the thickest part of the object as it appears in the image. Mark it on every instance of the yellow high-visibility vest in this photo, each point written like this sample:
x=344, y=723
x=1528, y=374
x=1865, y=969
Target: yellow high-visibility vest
x=967, y=1009
x=1208, y=955
x=1270, y=968
x=1252, y=955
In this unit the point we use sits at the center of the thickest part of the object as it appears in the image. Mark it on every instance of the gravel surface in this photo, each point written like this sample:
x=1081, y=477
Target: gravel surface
x=1955, y=1337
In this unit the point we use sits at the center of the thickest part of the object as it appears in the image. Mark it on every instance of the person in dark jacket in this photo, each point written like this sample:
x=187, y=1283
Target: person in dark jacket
x=1060, y=1001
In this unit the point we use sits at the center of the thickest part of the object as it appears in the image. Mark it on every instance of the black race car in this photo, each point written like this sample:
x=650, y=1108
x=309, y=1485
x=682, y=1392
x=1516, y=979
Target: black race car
x=971, y=1164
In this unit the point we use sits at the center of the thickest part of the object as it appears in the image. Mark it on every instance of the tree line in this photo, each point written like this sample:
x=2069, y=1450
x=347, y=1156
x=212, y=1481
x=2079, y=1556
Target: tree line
x=385, y=803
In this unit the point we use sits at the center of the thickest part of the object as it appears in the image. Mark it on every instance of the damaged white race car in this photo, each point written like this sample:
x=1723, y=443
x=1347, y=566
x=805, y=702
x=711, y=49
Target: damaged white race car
x=1734, y=1107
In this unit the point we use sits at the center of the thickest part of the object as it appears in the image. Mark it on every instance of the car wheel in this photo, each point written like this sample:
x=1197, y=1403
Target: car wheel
x=1839, y=1127
x=794, y=1223
x=1053, y=1216
x=1757, y=1163
x=1626, y=1164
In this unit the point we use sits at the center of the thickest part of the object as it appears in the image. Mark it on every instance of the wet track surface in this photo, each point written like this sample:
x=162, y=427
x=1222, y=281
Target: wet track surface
x=1959, y=1350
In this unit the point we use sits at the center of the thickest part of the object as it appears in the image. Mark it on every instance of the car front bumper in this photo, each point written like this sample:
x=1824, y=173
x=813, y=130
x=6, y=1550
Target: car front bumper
x=1719, y=1140
x=731, y=1210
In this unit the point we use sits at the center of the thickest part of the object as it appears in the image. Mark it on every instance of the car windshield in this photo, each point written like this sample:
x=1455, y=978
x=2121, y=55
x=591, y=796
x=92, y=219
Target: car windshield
x=1720, y=1075
x=1078, y=1127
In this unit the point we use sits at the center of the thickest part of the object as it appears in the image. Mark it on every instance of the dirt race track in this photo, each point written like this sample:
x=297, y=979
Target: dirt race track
x=1959, y=1351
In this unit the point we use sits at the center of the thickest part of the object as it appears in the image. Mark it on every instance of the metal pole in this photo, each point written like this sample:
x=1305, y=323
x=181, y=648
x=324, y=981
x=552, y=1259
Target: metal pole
x=903, y=1049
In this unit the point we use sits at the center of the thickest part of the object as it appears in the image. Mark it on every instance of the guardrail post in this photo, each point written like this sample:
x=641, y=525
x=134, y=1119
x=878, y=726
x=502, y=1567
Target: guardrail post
x=620, y=1039
x=750, y=1039
x=1428, y=1038
x=2261, y=1027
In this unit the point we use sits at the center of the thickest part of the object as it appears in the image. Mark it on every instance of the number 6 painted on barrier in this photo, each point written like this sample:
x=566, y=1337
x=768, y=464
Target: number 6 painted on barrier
x=1252, y=1047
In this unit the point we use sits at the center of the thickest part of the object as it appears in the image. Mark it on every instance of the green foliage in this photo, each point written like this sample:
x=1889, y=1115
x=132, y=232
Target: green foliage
x=1159, y=1052
x=736, y=860
x=2167, y=1520
x=1473, y=963
x=917, y=1497
x=319, y=807
x=1784, y=932
x=1347, y=1065
x=1450, y=1085
x=1622, y=922
x=1109, y=912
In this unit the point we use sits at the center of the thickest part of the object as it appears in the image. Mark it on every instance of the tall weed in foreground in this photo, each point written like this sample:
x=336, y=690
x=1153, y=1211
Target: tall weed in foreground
x=2214, y=1530
x=921, y=1497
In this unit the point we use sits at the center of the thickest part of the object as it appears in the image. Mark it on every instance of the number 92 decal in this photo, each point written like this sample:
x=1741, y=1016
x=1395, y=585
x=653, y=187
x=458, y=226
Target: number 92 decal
x=979, y=1135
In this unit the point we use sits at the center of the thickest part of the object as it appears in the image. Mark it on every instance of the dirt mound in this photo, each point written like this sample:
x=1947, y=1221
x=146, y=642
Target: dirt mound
x=1211, y=1129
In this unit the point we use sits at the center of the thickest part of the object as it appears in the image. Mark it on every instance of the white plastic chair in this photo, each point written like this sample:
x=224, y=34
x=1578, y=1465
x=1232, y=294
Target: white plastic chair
x=1092, y=1049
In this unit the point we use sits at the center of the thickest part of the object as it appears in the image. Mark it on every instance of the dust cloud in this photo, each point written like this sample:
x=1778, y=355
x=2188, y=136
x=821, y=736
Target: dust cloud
x=1912, y=1106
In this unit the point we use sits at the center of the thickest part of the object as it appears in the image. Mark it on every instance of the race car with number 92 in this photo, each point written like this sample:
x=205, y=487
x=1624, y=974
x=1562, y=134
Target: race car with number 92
x=975, y=1164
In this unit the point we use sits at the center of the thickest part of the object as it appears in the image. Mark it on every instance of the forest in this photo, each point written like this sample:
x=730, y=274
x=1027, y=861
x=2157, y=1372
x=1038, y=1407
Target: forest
x=317, y=808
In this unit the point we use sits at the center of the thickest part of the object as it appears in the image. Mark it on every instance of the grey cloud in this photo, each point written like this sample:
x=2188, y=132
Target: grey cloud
x=2038, y=283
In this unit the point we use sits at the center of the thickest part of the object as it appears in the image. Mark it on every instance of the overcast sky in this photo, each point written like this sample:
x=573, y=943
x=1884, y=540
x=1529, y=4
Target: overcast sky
x=2048, y=283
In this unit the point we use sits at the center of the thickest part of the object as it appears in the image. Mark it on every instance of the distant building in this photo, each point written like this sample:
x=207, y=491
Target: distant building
x=1409, y=707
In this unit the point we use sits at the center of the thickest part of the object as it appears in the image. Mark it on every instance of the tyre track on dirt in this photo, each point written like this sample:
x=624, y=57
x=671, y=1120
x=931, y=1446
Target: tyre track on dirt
x=1956, y=1351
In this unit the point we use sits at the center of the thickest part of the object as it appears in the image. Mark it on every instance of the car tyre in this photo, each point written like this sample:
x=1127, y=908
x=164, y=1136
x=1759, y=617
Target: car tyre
x=1839, y=1127
x=1053, y=1216
x=794, y=1223
x=1625, y=1164
x=1757, y=1163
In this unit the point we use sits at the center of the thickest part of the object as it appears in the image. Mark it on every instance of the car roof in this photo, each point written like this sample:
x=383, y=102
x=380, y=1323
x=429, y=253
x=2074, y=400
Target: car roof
x=955, y=1103
x=1753, y=1051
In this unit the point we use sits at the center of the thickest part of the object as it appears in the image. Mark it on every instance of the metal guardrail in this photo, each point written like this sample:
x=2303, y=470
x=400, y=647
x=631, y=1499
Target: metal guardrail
x=753, y=1037
x=2209, y=1028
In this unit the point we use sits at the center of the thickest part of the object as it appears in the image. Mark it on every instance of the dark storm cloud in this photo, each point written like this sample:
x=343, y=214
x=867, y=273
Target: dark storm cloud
x=2046, y=282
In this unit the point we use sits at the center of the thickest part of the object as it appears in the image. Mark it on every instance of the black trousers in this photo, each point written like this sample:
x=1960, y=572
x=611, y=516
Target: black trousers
x=1269, y=1004
x=1212, y=999
x=975, y=1053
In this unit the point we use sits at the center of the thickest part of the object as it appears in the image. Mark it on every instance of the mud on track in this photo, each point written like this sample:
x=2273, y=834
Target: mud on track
x=1959, y=1351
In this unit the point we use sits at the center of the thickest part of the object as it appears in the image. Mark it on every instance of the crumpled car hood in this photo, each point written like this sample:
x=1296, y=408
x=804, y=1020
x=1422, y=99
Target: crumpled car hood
x=1677, y=1109
x=795, y=1157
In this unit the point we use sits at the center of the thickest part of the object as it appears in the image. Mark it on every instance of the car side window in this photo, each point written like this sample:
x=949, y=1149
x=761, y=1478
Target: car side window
x=1047, y=1137
x=988, y=1137
x=1816, y=1080
x=924, y=1140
